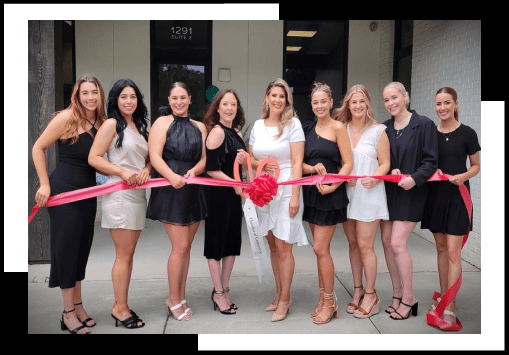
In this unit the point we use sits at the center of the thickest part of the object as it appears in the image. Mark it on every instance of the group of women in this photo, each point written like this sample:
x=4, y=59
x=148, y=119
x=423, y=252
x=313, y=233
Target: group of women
x=349, y=142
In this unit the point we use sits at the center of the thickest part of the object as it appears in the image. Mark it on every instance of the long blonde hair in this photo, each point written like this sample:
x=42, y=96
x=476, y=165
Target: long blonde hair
x=343, y=113
x=288, y=112
x=78, y=112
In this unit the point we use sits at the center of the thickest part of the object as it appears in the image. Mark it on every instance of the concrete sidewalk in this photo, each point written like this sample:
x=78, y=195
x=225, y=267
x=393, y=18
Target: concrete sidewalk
x=149, y=289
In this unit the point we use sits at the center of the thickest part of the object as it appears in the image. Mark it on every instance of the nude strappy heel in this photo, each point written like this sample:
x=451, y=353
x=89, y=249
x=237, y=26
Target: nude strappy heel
x=324, y=316
x=318, y=306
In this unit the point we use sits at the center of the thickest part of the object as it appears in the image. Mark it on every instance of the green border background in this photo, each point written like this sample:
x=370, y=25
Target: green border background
x=15, y=181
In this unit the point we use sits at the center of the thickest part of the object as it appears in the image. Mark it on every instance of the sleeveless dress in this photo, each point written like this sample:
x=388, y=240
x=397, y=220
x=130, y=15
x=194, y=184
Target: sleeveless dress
x=330, y=209
x=181, y=152
x=223, y=225
x=71, y=224
x=275, y=216
x=126, y=209
x=367, y=204
x=445, y=211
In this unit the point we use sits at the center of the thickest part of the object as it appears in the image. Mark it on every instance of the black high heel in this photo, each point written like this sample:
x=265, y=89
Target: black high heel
x=413, y=310
x=396, y=298
x=220, y=293
x=64, y=327
x=86, y=320
x=232, y=305
x=130, y=322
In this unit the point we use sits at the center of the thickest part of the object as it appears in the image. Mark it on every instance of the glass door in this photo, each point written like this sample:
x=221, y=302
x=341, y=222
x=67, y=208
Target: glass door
x=180, y=51
x=315, y=51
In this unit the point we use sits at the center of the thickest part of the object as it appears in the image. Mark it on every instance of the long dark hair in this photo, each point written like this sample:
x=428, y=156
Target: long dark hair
x=211, y=118
x=140, y=115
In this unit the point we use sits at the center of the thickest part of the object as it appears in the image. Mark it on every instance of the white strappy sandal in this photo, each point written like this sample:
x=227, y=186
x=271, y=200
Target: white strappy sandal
x=179, y=318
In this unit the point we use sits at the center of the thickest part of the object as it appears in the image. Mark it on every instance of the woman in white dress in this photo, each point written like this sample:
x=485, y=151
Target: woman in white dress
x=368, y=204
x=279, y=134
x=124, y=137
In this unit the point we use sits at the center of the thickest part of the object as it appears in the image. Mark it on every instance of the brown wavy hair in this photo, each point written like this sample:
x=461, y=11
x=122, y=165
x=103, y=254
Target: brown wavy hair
x=211, y=118
x=78, y=112
x=454, y=94
x=343, y=113
x=288, y=112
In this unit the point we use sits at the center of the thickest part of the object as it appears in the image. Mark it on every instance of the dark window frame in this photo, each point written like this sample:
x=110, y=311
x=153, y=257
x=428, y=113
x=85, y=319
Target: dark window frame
x=401, y=52
x=159, y=55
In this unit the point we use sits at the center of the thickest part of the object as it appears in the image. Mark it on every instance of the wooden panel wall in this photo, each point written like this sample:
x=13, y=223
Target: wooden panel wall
x=41, y=106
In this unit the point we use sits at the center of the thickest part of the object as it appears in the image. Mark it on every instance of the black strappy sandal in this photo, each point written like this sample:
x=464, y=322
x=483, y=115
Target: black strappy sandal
x=396, y=298
x=64, y=327
x=131, y=322
x=413, y=310
x=86, y=320
x=220, y=293
x=232, y=306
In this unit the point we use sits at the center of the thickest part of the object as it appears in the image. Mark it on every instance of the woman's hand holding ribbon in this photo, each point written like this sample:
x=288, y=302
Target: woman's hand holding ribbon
x=271, y=167
x=129, y=177
x=143, y=176
x=407, y=183
x=368, y=183
x=42, y=195
x=457, y=180
x=177, y=181
x=242, y=157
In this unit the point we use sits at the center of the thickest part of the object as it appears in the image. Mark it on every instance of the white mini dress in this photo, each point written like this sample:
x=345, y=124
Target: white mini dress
x=275, y=216
x=126, y=209
x=367, y=204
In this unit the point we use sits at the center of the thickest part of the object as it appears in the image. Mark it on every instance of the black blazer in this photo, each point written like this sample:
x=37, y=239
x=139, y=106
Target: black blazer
x=418, y=156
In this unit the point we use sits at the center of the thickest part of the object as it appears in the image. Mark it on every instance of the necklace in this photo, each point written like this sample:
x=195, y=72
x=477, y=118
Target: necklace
x=323, y=128
x=399, y=132
x=448, y=134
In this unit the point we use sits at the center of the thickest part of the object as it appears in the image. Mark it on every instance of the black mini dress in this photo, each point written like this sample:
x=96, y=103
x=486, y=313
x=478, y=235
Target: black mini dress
x=445, y=211
x=181, y=152
x=224, y=221
x=330, y=209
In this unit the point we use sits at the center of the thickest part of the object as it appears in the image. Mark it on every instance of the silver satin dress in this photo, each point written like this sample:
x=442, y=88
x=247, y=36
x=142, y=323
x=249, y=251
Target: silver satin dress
x=126, y=209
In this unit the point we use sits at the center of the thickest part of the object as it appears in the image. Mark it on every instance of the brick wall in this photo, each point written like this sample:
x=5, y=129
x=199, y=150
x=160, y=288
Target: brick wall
x=448, y=53
x=445, y=53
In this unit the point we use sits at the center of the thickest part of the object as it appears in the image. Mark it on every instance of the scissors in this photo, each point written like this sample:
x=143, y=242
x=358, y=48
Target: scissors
x=250, y=169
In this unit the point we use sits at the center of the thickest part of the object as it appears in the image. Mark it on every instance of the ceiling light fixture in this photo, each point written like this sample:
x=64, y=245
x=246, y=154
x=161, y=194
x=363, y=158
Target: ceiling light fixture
x=293, y=49
x=301, y=33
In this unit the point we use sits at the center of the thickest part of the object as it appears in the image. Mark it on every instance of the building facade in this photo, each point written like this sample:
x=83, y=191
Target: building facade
x=246, y=55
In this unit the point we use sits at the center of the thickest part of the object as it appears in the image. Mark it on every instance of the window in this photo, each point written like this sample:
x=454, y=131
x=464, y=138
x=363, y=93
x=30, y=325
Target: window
x=180, y=51
x=402, y=70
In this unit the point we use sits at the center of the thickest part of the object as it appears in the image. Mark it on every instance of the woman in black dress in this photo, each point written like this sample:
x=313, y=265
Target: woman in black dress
x=71, y=224
x=224, y=120
x=327, y=150
x=445, y=214
x=176, y=146
x=414, y=151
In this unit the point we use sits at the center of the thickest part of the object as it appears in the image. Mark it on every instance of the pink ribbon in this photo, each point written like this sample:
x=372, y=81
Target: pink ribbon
x=432, y=318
